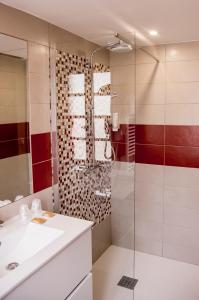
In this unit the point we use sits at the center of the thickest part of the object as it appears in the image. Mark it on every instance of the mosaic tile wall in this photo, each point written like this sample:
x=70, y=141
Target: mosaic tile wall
x=82, y=193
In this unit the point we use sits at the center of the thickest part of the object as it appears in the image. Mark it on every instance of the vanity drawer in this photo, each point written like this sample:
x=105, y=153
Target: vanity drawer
x=60, y=276
x=83, y=291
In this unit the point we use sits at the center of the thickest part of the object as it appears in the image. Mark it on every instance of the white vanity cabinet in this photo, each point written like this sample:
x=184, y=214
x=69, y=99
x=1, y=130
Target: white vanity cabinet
x=65, y=276
x=84, y=290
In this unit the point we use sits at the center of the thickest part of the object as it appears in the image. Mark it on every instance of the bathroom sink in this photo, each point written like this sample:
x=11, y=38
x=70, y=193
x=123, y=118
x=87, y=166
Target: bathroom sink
x=22, y=243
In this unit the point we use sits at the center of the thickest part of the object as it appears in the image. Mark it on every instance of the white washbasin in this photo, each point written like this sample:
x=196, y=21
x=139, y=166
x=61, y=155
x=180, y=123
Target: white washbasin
x=23, y=243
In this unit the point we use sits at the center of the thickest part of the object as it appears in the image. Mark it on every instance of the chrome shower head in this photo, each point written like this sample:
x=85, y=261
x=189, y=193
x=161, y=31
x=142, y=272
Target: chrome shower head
x=122, y=46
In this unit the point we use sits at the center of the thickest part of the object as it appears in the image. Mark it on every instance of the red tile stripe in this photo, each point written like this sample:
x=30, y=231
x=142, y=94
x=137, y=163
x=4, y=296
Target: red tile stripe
x=14, y=131
x=42, y=175
x=182, y=156
x=182, y=135
x=149, y=134
x=149, y=154
x=14, y=147
x=170, y=145
x=41, y=147
x=14, y=139
x=41, y=161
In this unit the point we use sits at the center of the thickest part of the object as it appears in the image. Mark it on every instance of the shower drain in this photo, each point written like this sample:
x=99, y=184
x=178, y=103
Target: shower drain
x=12, y=266
x=127, y=282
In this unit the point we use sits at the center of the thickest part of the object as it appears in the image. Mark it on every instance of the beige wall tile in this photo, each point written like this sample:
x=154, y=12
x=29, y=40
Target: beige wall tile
x=146, y=73
x=186, y=92
x=14, y=174
x=123, y=75
x=122, y=184
x=7, y=80
x=9, y=114
x=150, y=93
x=157, y=51
x=122, y=201
x=182, y=114
x=150, y=114
x=120, y=226
x=149, y=173
x=38, y=57
x=16, y=163
x=100, y=57
x=40, y=118
x=182, y=51
x=181, y=216
x=148, y=245
x=122, y=59
x=8, y=97
x=148, y=192
x=101, y=238
x=186, y=254
x=181, y=236
x=39, y=88
x=182, y=71
x=13, y=94
x=149, y=230
x=148, y=211
x=182, y=196
x=126, y=113
x=12, y=97
x=181, y=177
x=125, y=95
x=20, y=82
x=123, y=205
x=149, y=208
x=124, y=241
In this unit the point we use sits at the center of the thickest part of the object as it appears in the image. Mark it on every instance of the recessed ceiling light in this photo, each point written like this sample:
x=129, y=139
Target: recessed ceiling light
x=153, y=32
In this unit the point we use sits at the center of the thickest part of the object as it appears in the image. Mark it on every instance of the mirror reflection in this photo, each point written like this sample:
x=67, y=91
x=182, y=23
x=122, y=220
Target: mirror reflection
x=15, y=176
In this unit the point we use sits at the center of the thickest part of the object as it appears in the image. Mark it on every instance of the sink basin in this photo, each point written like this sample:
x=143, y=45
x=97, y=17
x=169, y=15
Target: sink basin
x=22, y=243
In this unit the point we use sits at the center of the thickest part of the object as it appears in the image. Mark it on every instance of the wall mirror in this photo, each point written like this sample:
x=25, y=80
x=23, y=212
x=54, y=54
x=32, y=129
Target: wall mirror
x=15, y=171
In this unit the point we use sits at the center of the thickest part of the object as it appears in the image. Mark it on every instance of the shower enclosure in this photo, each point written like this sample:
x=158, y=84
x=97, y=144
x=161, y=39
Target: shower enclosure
x=95, y=165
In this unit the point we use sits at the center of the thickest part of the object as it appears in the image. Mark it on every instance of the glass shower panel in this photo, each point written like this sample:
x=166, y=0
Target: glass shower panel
x=123, y=167
x=95, y=163
x=116, y=264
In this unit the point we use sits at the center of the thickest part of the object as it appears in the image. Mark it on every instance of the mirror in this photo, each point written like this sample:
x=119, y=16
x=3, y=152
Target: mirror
x=15, y=173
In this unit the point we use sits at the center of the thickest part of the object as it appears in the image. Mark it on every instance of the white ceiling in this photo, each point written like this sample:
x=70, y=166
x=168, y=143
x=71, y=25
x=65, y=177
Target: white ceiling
x=97, y=20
